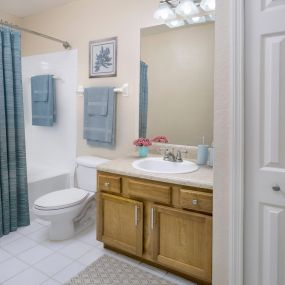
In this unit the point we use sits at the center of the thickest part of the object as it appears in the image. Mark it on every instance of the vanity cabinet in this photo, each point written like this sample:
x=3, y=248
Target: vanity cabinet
x=122, y=223
x=167, y=225
x=182, y=241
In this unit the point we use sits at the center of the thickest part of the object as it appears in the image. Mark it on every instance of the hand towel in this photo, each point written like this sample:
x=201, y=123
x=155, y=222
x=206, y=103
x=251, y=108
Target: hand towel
x=100, y=116
x=43, y=100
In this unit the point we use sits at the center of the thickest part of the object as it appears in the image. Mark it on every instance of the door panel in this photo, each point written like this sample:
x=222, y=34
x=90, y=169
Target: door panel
x=183, y=241
x=273, y=236
x=122, y=223
x=264, y=252
x=273, y=124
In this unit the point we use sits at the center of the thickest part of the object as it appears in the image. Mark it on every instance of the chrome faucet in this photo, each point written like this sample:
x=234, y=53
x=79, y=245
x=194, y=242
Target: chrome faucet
x=170, y=156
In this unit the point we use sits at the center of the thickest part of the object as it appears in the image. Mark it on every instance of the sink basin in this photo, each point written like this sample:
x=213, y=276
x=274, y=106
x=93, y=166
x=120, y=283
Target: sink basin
x=158, y=165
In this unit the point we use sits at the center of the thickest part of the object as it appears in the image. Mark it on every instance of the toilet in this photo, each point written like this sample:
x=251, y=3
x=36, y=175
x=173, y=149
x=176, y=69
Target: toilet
x=71, y=210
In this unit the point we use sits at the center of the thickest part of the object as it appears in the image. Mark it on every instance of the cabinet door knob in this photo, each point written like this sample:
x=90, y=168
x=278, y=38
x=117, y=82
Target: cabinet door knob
x=107, y=184
x=276, y=188
x=194, y=202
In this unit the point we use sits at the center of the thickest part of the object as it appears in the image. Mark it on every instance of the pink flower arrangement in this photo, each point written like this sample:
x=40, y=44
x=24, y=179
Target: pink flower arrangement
x=160, y=139
x=142, y=142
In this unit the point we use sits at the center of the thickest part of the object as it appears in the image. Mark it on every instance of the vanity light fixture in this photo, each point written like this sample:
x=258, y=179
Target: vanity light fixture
x=196, y=20
x=208, y=5
x=175, y=23
x=164, y=12
x=186, y=8
x=174, y=13
x=211, y=17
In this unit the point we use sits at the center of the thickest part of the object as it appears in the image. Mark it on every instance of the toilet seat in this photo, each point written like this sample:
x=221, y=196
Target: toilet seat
x=61, y=199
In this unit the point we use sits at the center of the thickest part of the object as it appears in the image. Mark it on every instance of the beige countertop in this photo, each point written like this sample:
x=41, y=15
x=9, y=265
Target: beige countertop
x=202, y=178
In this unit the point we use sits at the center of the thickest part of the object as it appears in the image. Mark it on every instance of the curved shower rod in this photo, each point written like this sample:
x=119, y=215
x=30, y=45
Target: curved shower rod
x=65, y=44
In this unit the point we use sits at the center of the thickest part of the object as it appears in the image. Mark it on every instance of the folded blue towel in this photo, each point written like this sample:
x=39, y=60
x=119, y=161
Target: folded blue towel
x=43, y=100
x=98, y=105
x=100, y=116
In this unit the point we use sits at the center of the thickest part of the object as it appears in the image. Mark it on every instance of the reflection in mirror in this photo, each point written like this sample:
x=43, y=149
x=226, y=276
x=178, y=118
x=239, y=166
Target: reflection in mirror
x=177, y=83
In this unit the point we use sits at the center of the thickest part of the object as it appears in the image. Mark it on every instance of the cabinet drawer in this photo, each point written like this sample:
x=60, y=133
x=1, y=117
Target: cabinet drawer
x=148, y=191
x=109, y=183
x=195, y=200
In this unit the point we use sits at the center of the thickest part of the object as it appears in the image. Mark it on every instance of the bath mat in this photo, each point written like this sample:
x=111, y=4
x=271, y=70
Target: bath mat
x=108, y=270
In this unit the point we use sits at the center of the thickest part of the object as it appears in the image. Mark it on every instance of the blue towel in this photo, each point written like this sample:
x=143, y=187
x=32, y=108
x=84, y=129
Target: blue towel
x=100, y=116
x=43, y=100
x=98, y=105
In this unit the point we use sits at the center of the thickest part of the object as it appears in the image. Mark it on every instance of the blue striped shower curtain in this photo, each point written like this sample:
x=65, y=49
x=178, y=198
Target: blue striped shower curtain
x=143, y=100
x=14, y=208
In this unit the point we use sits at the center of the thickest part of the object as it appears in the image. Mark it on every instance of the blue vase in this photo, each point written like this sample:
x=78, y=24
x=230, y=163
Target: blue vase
x=143, y=151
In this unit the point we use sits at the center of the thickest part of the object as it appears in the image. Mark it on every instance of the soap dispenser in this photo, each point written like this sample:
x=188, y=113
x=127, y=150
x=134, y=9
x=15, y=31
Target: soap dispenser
x=202, y=153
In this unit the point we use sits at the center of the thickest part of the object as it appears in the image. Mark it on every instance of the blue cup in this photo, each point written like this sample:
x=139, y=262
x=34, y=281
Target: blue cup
x=202, y=154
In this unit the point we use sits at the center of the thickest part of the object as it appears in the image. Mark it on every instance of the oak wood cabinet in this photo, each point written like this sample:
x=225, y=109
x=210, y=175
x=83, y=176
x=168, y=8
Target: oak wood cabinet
x=183, y=241
x=122, y=223
x=167, y=225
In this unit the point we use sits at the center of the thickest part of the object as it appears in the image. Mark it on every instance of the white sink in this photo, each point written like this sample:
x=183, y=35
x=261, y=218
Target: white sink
x=158, y=165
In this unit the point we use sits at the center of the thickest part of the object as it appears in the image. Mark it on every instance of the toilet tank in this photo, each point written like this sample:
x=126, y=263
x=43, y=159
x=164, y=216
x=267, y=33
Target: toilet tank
x=86, y=172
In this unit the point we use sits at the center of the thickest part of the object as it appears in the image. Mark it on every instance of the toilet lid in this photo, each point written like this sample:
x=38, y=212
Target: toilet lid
x=61, y=199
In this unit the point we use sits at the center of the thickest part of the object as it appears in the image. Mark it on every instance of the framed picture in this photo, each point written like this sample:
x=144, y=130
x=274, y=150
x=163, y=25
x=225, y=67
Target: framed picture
x=103, y=58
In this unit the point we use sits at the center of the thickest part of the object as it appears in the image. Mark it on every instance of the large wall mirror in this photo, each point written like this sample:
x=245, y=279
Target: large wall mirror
x=177, y=83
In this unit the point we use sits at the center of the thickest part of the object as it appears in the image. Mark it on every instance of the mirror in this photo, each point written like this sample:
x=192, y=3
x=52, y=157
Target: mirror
x=177, y=83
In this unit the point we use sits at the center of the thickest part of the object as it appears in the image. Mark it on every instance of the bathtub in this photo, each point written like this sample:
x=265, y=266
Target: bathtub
x=43, y=180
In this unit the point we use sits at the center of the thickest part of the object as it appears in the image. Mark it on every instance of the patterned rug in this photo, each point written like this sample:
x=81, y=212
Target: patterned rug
x=108, y=270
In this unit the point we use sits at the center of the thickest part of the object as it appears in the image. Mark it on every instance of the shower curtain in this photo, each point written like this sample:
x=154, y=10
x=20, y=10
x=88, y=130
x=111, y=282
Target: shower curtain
x=143, y=105
x=14, y=208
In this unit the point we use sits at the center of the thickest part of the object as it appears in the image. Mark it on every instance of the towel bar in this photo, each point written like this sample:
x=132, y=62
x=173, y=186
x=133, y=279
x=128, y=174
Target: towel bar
x=121, y=90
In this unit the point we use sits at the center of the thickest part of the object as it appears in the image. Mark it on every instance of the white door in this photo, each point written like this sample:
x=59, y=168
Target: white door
x=264, y=249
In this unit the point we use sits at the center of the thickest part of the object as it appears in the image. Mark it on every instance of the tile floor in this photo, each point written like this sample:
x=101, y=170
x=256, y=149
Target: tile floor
x=28, y=257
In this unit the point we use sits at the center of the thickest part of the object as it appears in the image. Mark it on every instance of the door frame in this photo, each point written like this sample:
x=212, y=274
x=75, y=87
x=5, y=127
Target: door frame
x=236, y=193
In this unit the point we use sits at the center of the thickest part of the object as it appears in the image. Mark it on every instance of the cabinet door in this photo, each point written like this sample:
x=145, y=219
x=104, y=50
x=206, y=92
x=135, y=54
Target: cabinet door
x=182, y=240
x=121, y=223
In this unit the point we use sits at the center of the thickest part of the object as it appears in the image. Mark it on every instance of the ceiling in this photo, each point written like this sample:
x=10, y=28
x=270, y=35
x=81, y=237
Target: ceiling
x=23, y=8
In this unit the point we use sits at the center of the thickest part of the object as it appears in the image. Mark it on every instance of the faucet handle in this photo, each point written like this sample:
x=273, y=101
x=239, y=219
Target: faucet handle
x=166, y=153
x=179, y=155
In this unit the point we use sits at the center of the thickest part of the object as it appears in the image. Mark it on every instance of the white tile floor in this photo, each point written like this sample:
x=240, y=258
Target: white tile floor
x=28, y=257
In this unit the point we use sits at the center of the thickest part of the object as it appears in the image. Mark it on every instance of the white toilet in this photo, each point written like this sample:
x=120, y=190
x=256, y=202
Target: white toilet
x=71, y=210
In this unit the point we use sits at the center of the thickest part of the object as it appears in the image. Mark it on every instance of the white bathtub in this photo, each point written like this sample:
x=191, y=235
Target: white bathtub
x=43, y=180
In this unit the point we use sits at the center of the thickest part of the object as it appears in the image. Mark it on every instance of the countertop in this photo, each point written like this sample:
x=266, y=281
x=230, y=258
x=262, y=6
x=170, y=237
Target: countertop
x=202, y=178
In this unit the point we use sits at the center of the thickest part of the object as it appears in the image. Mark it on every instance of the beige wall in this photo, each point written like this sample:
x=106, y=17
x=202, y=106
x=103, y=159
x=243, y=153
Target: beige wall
x=181, y=82
x=222, y=142
x=9, y=18
x=82, y=21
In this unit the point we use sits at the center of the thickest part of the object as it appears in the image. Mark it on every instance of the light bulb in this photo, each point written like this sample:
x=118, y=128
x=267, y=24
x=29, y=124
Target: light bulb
x=208, y=5
x=196, y=20
x=175, y=23
x=164, y=13
x=186, y=8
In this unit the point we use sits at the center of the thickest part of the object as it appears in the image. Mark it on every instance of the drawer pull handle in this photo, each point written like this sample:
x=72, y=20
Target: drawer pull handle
x=107, y=184
x=152, y=219
x=195, y=202
x=136, y=215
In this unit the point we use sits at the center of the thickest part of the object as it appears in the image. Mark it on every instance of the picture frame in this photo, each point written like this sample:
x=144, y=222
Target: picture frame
x=103, y=58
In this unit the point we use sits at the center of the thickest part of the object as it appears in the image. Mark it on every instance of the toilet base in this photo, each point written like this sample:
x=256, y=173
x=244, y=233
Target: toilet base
x=61, y=231
x=62, y=228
